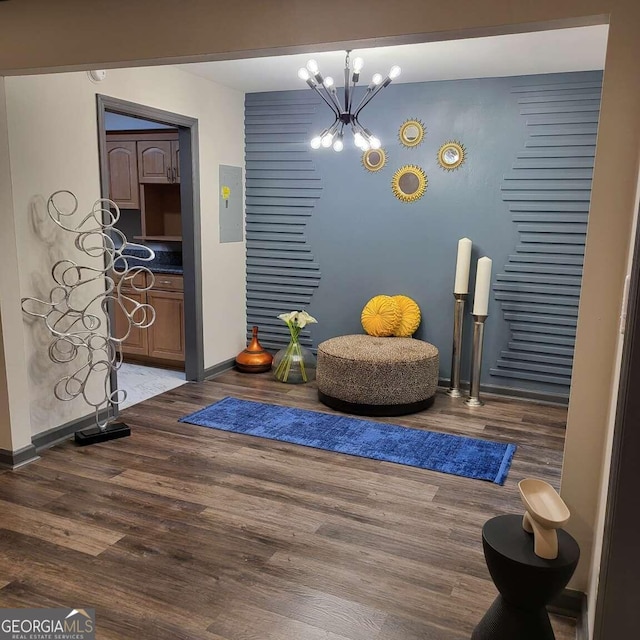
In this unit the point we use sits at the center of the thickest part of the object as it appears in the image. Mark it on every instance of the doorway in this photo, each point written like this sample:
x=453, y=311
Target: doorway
x=148, y=166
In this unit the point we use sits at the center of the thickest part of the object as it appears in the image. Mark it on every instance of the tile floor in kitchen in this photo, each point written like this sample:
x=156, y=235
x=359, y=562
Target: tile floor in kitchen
x=142, y=382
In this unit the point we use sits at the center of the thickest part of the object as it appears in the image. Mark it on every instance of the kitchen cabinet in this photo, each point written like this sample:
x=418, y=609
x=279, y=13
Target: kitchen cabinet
x=136, y=343
x=144, y=174
x=175, y=155
x=161, y=212
x=166, y=337
x=158, y=161
x=163, y=342
x=122, y=160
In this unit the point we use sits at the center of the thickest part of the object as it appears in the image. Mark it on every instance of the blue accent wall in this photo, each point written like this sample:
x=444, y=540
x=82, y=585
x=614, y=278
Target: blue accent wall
x=325, y=234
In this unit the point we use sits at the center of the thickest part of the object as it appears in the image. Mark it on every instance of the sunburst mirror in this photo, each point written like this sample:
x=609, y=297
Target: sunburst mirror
x=409, y=183
x=374, y=159
x=451, y=155
x=411, y=133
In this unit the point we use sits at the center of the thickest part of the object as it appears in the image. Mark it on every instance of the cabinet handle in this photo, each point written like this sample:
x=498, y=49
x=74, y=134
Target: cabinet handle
x=174, y=174
x=168, y=174
x=165, y=282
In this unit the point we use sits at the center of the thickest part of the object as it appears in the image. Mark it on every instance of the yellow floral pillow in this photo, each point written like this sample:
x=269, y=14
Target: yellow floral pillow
x=409, y=317
x=381, y=316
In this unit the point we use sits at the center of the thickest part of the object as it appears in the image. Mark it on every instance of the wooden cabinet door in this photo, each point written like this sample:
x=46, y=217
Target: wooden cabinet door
x=154, y=161
x=166, y=334
x=137, y=341
x=122, y=162
x=175, y=159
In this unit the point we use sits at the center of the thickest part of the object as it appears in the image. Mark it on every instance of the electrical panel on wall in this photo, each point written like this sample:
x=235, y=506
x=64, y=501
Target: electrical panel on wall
x=230, y=196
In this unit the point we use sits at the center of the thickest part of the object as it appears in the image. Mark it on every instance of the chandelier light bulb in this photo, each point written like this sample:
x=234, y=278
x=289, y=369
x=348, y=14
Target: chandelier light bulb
x=312, y=65
x=358, y=139
x=365, y=146
x=338, y=145
x=358, y=63
x=395, y=72
x=315, y=142
x=303, y=74
x=327, y=139
x=377, y=79
x=374, y=142
x=328, y=81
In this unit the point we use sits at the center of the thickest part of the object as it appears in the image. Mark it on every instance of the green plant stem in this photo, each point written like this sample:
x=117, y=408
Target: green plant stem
x=302, y=369
x=293, y=348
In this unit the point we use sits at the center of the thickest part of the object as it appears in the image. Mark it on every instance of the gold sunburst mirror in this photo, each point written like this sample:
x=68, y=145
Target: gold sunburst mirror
x=451, y=155
x=374, y=159
x=411, y=133
x=409, y=183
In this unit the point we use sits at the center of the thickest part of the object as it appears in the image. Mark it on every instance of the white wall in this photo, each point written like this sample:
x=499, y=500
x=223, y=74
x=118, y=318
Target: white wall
x=15, y=433
x=53, y=145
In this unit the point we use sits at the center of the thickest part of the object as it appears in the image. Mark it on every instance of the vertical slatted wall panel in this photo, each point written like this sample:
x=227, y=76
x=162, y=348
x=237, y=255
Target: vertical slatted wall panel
x=548, y=192
x=281, y=190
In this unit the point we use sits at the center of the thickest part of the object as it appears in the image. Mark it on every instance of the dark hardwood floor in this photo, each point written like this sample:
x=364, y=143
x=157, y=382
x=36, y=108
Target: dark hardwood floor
x=186, y=532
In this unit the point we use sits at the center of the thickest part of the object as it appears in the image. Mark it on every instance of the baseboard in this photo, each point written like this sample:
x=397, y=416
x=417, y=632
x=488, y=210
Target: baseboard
x=55, y=435
x=219, y=368
x=582, y=627
x=573, y=604
x=527, y=394
x=15, y=459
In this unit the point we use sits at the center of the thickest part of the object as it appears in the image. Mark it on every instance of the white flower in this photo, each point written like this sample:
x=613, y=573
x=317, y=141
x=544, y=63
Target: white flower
x=304, y=319
x=297, y=319
x=288, y=317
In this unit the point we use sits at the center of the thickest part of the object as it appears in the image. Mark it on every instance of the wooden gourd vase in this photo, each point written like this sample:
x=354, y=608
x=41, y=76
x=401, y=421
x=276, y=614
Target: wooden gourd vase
x=254, y=359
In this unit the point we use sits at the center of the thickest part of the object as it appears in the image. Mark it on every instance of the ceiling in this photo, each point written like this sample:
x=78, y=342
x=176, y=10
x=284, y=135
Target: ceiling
x=560, y=50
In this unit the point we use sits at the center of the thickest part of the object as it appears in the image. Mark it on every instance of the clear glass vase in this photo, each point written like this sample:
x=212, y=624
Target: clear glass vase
x=294, y=364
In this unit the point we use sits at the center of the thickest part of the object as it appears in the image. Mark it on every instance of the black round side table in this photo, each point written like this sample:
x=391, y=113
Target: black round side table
x=526, y=582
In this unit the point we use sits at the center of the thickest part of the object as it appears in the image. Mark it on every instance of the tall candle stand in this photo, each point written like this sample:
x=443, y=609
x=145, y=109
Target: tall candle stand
x=456, y=355
x=476, y=361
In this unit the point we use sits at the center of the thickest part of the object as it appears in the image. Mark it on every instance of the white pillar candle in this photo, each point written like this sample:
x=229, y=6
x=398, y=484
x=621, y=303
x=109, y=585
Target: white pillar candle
x=483, y=287
x=463, y=265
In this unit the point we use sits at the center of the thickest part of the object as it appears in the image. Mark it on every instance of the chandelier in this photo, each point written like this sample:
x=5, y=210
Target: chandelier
x=345, y=115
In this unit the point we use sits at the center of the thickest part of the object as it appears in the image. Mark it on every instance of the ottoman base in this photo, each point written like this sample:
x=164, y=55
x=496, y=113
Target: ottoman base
x=375, y=409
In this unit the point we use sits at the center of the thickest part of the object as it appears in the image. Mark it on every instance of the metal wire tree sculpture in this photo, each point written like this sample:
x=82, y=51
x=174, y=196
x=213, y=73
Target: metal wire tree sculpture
x=77, y=311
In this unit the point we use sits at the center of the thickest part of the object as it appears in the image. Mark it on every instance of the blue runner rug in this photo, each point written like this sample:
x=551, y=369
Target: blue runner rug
x=460, y=456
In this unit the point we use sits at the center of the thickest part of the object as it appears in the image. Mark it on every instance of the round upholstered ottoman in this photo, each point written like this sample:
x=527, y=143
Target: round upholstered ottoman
x=377, y=376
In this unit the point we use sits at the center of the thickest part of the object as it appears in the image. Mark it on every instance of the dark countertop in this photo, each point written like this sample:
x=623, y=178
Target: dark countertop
x=163, y=262
x=165, y=268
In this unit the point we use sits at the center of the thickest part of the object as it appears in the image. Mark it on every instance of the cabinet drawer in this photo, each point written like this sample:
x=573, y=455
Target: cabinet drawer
x=168, y=282
x=139, y=280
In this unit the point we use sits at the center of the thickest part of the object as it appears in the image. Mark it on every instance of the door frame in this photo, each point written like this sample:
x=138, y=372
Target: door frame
x=190, y=210
x=616, y=610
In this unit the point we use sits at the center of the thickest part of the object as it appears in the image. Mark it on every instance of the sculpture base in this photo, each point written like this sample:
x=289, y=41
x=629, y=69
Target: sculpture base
x=93, y=435
x=454, y=393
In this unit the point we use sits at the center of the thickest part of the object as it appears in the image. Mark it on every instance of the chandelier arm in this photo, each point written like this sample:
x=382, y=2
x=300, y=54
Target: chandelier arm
x=352, y=93
x=367, y=99
x=356, y=126
x=334, y=99
x=335, y=111
x=347, y=88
